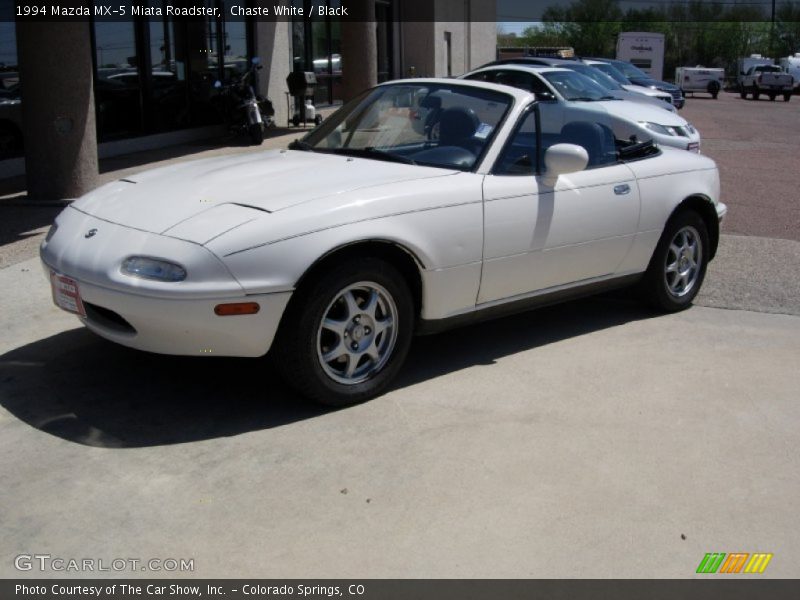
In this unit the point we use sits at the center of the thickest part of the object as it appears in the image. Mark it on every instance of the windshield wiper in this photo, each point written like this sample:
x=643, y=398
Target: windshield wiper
x=584, y=99
x=372, y=152
x=301, y=145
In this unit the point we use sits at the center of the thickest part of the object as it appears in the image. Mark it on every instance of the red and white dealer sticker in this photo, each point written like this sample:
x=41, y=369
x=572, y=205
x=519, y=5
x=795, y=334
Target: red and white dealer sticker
x=66, y=294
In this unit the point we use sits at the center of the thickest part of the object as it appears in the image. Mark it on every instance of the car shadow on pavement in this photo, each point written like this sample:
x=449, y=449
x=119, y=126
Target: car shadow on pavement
x=87, y=390
x=19, y=218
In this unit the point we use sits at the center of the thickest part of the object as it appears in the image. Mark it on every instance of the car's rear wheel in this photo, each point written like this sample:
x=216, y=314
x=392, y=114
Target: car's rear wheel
x=678, y=265
x=346, y=336
x=786, y=97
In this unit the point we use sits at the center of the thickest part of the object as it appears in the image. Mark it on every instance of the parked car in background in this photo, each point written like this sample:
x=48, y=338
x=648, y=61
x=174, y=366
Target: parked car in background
x=745, y=63
x=564, y=90
x=791, y=65
x=605, y=81
x=626, y=83
x=766, y=79
x=394, y=234
x=700, y=79
x=640, y=78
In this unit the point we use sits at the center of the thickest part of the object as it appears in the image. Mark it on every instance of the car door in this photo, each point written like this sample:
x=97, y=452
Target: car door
x=541, y=233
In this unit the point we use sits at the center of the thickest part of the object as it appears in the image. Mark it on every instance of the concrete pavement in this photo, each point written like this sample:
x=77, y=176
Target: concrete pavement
x=576, y=441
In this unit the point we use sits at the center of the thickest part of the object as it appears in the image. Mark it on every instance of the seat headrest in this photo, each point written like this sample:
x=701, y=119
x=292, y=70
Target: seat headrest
x=457, y=124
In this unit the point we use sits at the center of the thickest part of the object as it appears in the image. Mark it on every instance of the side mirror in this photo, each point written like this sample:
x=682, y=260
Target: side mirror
x=544, y=96
x=560, y=159
x=217, y=84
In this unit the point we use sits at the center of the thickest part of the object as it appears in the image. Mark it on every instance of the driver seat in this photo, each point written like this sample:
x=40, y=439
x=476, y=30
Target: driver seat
x=457, y=127
x=596, y=138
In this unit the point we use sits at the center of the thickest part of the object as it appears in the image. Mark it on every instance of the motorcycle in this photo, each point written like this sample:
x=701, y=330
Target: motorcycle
x=245, y=111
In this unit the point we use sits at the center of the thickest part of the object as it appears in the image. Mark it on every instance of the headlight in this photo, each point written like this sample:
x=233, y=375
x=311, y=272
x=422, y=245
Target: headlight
x=153, y=268
x=655, y=127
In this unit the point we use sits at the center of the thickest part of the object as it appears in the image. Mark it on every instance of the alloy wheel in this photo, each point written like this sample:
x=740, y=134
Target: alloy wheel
x=357, y=333
x=684, y=259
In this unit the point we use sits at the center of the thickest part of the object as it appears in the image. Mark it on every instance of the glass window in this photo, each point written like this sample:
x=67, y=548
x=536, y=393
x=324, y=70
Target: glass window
x=437, y=125
x=317, y=47
x=234, y=42
x=574, y=86
x=168, y=90
x=117, y=93
x=10, y=90
x=612, y=72
x=199, y=46
x=519, y=154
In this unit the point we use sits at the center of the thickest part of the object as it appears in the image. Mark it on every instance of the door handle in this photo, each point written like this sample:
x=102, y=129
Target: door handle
x=621, y=190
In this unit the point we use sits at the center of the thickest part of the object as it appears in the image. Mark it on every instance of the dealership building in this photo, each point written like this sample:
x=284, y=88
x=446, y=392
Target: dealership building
x=71, y=91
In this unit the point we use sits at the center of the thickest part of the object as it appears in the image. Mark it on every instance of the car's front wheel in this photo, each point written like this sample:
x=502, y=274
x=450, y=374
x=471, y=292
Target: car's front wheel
x=678, y=265
x=346, y=336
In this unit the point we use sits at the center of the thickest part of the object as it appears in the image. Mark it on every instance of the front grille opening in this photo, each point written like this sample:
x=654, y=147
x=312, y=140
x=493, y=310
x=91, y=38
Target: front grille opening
x=104, y=317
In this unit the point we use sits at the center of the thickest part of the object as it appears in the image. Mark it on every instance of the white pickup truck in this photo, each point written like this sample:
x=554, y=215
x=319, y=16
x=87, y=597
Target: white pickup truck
x=766, y=79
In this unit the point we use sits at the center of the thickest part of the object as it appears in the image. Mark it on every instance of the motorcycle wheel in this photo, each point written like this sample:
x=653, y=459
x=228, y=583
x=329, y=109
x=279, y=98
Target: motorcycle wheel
x=256, y=133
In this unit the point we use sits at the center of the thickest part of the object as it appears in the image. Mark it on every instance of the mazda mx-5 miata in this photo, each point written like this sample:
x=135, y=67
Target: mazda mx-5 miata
x=334, y=252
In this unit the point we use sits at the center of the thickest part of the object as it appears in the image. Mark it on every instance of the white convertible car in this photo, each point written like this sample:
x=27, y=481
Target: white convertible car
x=334, y=252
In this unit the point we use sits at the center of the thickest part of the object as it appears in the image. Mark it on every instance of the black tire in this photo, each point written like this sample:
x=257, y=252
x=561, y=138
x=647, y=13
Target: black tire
x=256, y=133
x=742, y=92
x=756, y=93
x=301, y=340
x=318, y=120
x=655, y=286
x=713, y=89
x=772, y=97
x=787, y=97
x=714, y=95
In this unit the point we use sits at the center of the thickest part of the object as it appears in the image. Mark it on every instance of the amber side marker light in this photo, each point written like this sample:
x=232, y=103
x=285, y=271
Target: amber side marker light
x=240, y=308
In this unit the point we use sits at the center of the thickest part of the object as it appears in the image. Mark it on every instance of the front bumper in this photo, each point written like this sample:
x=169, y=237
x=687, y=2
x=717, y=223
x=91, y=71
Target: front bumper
x=158, y=317
x=183, y=327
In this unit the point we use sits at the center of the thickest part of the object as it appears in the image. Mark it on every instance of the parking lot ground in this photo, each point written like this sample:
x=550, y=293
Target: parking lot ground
x=577, y=441
x=755, y=144
x=586, y=440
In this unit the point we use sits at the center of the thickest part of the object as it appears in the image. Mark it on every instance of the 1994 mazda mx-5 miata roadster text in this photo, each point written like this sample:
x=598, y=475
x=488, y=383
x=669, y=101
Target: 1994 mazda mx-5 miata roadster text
x=335, y=251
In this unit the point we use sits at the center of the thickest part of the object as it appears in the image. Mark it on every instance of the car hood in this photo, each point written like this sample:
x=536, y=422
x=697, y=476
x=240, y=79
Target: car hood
x=636, y=111
x=220, y=193
x=648, y=100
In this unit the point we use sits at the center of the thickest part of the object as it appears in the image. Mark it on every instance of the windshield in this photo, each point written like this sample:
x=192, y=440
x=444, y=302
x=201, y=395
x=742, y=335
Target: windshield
x=598, y=77
x=439, y=125
x=612, y=72
x=630, y=71
x=574, y=86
